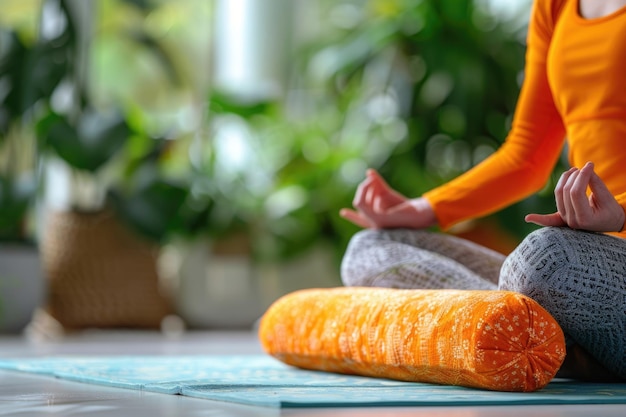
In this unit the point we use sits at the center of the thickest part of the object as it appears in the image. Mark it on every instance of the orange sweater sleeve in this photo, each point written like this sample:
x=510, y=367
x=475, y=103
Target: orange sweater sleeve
x=525, y=161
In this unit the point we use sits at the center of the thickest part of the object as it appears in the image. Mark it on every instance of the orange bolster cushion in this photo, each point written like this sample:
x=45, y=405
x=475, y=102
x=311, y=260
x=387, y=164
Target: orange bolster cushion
x=494, y=340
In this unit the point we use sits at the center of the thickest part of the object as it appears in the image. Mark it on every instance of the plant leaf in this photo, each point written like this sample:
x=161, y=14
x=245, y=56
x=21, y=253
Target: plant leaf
x=16, y=195
x=89, y=146
x=153, y=209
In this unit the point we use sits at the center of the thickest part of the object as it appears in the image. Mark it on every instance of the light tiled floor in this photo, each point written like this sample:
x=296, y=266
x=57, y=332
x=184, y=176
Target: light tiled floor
x=28, y=395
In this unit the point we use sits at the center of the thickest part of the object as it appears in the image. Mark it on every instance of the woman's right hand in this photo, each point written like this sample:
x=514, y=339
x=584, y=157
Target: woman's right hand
x=378, y=206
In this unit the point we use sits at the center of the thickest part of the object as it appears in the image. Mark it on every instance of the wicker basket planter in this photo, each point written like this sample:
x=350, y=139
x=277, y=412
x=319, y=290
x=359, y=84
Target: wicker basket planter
x=100, y=274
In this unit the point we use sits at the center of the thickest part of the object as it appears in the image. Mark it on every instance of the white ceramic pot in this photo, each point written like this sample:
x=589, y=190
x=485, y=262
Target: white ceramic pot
x=22, y=286
x=228, y=290
x=217, y=291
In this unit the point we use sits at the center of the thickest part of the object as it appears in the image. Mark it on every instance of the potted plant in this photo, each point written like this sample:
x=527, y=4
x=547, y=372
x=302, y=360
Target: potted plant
x=22, y=285
x=101, y=237
x=29, y=72
x=101, y=252
x=260, y=209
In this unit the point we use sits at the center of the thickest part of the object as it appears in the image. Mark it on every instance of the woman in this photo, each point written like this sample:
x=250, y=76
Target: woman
x=574, y=91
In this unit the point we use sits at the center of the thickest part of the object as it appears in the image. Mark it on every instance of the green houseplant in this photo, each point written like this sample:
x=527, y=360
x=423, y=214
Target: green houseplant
x=117, y=227
x=29, y=72
x=101, y=244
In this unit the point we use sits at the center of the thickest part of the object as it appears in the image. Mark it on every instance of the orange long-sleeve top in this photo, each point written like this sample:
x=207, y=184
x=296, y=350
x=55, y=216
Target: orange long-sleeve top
x=574, y=90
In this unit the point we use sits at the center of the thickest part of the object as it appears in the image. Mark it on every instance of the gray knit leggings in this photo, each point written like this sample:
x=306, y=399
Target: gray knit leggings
x=579, y=277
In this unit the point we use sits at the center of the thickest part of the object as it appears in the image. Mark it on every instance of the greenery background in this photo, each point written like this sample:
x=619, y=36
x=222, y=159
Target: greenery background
x=420, y=89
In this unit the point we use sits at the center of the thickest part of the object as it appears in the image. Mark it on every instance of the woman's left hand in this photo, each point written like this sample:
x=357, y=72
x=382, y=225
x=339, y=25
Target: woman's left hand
x=597, y=212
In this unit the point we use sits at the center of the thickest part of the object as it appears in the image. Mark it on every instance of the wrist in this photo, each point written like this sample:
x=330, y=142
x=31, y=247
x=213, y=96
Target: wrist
x=622, y=221
x=424, y=213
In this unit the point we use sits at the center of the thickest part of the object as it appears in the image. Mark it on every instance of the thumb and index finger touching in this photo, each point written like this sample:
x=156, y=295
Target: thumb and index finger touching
x=354, y=216
x=588, y=179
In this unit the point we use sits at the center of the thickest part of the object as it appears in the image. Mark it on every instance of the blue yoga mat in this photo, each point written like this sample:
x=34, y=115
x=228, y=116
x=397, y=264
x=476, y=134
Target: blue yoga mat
x=264, y=381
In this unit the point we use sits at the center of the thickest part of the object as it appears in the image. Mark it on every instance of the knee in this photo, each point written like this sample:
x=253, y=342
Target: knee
x=364, y=240
x=369, y=237
x=354, y=264
x=536, y=262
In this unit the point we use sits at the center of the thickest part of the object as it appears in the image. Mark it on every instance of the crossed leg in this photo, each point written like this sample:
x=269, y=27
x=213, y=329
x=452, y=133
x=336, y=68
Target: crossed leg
x=579, y=277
